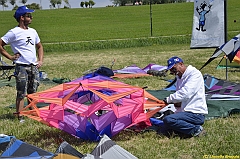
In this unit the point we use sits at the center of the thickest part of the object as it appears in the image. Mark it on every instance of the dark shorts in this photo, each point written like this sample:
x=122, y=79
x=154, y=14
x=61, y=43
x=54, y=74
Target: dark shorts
x=27, y=79
x=201, y=23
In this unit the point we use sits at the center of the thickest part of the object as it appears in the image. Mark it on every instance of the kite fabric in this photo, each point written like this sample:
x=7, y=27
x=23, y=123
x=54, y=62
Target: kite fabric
x=235, y=63
x=230, y=49
x=237, y=57
x=106, y=148
x=90, y=107
x=222, y=97
x=17, y=149
x=134, y=71
x=208, y=24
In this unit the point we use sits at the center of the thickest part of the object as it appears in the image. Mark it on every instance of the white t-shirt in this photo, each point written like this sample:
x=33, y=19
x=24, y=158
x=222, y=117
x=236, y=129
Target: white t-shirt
x=190, y=91
x=24, y=42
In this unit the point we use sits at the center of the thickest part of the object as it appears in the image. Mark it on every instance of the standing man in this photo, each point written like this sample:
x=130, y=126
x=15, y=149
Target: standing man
x=24, y=42
x=189, y=100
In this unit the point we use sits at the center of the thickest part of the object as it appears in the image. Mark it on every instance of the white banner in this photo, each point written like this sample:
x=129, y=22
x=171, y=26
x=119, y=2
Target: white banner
x=208, y=24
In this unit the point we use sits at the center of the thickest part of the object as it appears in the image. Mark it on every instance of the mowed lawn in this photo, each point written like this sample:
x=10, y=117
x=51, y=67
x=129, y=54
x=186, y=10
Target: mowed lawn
x=75, y=25
x=87, y=24
x=223, y=134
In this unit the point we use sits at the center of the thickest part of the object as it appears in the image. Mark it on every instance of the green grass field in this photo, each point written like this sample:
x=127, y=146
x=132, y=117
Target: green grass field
x=68, y=61
x=64, y=25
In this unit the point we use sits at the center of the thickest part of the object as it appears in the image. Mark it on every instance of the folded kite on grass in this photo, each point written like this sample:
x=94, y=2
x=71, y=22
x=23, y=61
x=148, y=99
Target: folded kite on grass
x=90, y=107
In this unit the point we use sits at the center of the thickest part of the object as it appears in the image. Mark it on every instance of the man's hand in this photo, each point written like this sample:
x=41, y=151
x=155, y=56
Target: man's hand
x=15, y=57
x=40, y=63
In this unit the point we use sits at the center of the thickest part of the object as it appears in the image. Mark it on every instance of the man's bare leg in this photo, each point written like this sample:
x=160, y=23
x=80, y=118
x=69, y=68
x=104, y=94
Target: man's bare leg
x=19, y=106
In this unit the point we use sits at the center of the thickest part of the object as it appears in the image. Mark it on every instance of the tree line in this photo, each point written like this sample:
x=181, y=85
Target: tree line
x=144, y=2
x=87, y=4
x=4, y=4
x=53, y=4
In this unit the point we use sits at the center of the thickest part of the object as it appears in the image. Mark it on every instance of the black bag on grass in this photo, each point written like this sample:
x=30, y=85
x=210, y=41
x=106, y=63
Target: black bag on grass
x=104, y=71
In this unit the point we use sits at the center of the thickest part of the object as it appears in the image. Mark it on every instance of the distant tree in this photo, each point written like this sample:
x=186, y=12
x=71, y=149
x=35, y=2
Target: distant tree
x=121, y=2
x=82, y=4
x=23, y=2
x=170, y=1
x=53, y=3
x=67, y=3
x=15, y=7
x=181, y=1
x=145, y=2
x=12, y=2
x=3, y=3
x=91, y=3
x=86, y=3
x=155, y=1
x=40, y=4
x=33, y=6
x=116, y=2
x=59, y=2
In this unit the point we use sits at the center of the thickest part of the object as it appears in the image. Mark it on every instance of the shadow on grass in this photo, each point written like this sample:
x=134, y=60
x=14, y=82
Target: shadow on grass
x=51, y=136
x=8, y=115
x=234, y=70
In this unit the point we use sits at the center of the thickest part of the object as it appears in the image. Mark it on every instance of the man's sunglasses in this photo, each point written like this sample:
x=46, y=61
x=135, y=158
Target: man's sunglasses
x=29, y=15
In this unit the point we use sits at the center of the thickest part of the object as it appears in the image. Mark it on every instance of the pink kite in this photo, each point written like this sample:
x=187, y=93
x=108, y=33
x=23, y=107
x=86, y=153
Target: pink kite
x=89, y=108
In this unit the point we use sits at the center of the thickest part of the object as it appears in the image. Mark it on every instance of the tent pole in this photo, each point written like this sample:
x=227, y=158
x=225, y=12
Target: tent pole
x=151, y=16
x=226, y=68
x=225, y=30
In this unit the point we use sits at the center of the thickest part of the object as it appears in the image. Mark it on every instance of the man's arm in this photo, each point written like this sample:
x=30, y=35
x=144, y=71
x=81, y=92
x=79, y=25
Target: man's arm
x=191, y=86
x=40, y=54
x=5, y=53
